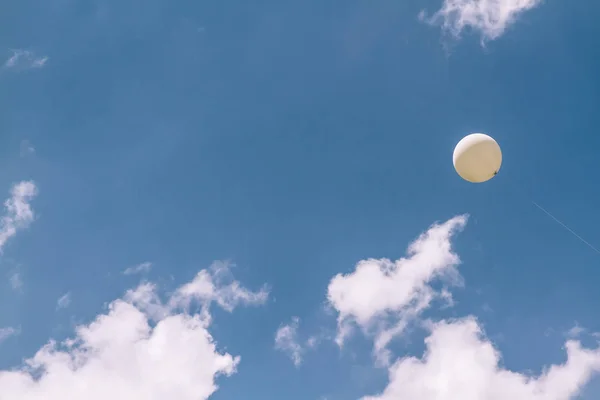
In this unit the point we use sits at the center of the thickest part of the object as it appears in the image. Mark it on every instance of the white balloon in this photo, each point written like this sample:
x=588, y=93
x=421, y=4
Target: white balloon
x=477, y=158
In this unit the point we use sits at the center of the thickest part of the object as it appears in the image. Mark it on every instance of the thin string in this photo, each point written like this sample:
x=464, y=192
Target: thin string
x=539, y=207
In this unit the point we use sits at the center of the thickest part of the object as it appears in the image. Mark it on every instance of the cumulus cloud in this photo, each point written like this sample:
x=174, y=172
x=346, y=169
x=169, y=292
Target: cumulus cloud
x=19, y=213
x=138, y=269
x=24, y=59
x=286, y=340
x=382, y=296
x=129, y=354
x=490, y=18
x=461, y=363
x=64, y=301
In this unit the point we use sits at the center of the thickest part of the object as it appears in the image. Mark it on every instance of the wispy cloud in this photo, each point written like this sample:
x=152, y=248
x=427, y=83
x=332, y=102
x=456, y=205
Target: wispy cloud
x=212, y=285
x=286, y=340
x=26, y=148
x=216, y=285
x=5, y=333
x=490, y=18
x=19, y=213
x=16, y=282
x=138, y=269
x=576, y=331
x=25, y=59
x=64, y=301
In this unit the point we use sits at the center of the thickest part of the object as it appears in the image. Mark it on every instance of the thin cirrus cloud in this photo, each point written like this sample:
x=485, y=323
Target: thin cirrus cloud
x=286, y=340
x=18, y=212
x=25, y=59
x=26, y=148
x=5, y=333
x=64, y=301
x=18, y=215
x=490, y=18
x=138, y=269
x=15, y=280
x=142, y=348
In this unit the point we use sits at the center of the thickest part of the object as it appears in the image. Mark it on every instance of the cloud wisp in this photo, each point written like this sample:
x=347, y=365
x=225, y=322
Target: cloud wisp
x=5, y=333
x=26, y=148
x=15, y=280
x=138, y=269
x=286, y=340
x=25, y=59
x=19, y=213
x=490, y=18
x=64, y=301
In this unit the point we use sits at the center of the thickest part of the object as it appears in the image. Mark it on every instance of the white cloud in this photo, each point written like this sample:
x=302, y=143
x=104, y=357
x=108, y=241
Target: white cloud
x=286, y=340
x=490, y=18
x=138, y=269
x=18, y=210
x=64, y=301
x=24, y=59
x=461, y=363
x=382, y=296
x=314, y=341
x=5, y=333
x=576, y=331
x=213, y=285
x=26, y=148
x=15, y=281
x=217, y=285
x=124, y=355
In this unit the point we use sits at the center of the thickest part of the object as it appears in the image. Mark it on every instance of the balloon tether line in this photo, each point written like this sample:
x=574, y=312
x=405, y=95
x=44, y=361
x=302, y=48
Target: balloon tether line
x=566, y=227
x=571, y=231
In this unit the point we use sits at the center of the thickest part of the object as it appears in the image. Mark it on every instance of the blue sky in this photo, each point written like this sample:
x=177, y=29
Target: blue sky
x=175, y=170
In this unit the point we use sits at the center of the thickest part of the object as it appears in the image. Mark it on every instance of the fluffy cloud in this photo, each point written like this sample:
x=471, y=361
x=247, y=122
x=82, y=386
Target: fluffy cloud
x=460, y=363
x=24, y=59
x=286, y=340
x=382, y=296
x=489, y=17
x=134, y=352
x=18, y=213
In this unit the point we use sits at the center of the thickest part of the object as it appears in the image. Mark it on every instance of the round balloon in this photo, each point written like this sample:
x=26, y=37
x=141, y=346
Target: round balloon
x=477, y=158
